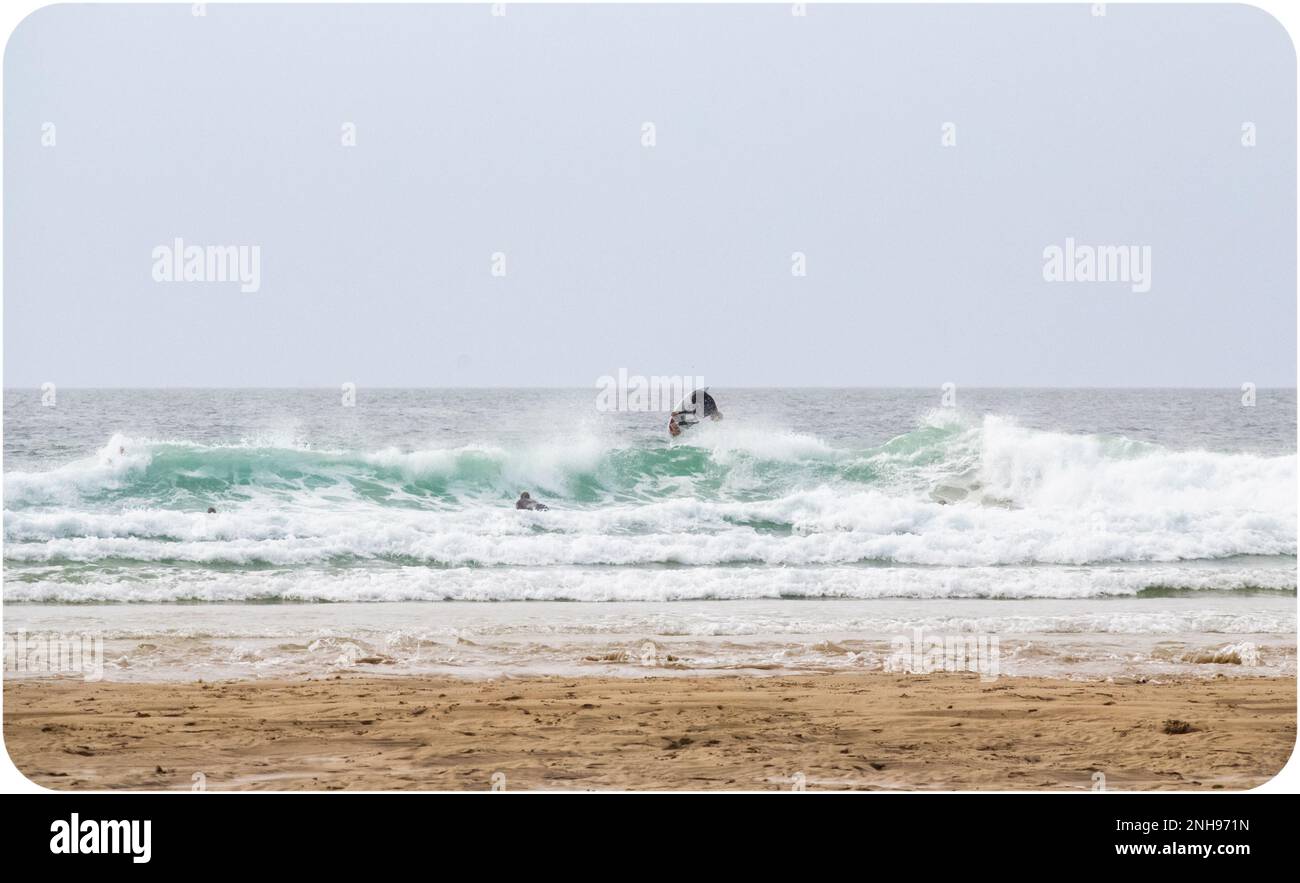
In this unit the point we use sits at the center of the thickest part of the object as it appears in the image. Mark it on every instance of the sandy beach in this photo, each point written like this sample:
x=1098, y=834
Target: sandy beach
x=832, y=732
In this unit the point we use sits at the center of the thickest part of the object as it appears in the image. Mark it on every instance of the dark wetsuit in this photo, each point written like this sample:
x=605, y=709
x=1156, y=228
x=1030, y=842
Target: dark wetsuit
x=710, y=406
x=690, y=415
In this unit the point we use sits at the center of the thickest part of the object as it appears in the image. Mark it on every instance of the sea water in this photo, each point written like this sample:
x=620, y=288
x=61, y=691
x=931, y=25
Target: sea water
x=1093, y=533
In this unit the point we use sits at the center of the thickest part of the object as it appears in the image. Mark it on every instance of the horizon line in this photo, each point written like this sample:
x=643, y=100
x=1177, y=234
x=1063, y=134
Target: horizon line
x=335, y=387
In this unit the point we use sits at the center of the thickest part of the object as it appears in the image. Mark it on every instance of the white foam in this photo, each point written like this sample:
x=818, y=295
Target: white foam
x=1036, y=498
x=822, y=526
x=418, y=583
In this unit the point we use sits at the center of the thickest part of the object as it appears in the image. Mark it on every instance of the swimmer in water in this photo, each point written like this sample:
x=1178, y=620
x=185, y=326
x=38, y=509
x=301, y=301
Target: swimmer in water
x=527, y=502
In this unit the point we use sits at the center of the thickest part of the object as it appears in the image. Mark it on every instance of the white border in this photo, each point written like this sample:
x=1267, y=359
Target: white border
x=12, y=12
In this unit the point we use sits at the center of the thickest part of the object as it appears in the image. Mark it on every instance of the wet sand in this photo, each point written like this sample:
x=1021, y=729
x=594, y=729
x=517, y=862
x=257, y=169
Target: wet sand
x=869, y=731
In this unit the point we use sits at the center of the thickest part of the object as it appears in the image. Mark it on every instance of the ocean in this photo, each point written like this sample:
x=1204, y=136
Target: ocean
x=1090, y=532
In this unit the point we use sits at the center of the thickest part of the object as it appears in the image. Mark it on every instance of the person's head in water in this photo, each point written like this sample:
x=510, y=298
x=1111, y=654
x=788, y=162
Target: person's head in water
x=212, y=510
x=526, y=501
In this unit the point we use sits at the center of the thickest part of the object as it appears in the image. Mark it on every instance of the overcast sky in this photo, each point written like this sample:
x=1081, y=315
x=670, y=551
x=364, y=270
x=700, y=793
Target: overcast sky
x=774, y=134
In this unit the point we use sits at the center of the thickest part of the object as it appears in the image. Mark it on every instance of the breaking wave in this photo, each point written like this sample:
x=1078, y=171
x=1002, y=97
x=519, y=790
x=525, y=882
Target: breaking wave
x=949, y=494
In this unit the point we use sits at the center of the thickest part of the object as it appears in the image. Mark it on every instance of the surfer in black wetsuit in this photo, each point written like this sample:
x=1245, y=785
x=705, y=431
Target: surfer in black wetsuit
x=527, y=502
x=679, y=420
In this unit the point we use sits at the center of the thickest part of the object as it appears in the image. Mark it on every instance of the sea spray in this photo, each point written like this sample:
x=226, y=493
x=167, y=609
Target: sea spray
x=132, y=517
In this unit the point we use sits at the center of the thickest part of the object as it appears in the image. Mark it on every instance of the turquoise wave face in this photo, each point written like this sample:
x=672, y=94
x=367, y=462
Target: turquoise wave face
x=713, y=466
x=941, y=511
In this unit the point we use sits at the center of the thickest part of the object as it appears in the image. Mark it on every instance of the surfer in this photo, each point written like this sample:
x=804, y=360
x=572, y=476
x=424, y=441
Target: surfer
x=527, y=502
x=696, y=405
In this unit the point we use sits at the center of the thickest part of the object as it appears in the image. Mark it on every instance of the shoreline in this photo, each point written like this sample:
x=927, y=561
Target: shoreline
x=1094, y=638
x=842, y=731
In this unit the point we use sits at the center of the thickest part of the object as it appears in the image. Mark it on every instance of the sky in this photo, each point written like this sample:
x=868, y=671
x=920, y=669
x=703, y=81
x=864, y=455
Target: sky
x=484, y=141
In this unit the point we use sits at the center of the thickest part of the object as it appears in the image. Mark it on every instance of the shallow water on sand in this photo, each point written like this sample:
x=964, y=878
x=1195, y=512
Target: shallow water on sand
x=1081, y=638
